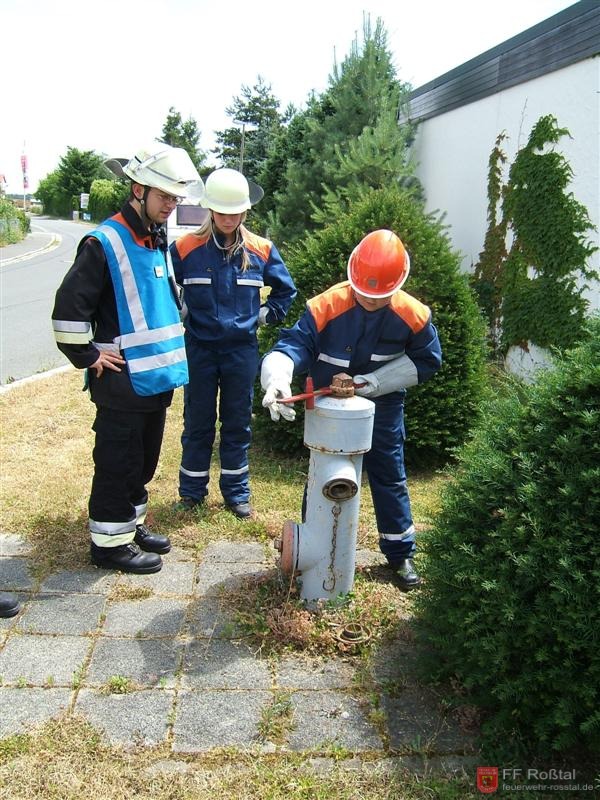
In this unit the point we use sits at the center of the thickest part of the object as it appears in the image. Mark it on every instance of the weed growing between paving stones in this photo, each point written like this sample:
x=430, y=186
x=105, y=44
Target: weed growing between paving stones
x=123, y=592
x=118, y=684
x=277, y=719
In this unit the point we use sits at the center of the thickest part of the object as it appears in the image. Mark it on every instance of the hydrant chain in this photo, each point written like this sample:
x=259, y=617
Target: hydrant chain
x=336, y=510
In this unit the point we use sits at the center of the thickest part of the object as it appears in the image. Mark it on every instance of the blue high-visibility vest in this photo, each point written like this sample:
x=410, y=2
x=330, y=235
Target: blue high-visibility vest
x=151, y=333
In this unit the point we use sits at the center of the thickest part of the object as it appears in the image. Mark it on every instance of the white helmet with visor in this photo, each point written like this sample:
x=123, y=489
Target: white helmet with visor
x=167, y=168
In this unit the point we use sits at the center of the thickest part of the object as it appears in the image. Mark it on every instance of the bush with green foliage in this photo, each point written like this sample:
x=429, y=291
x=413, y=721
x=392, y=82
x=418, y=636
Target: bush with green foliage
x=107, y=197
x=511, y=601
x=61, y=189
x=54, y=199
x=441, y=411
x=14, y=223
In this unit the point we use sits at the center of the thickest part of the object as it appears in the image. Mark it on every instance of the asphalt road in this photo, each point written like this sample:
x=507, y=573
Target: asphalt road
x=27, y=289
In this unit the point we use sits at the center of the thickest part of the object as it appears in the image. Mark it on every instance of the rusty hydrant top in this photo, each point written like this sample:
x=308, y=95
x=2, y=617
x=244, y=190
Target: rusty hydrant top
x=342, y=385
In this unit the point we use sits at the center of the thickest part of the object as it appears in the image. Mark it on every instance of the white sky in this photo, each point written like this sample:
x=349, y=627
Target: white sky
x=102, y=75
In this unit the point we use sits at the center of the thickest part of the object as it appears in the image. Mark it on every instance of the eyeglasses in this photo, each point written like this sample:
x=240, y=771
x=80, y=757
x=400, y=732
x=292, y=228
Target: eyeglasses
x=168, y=198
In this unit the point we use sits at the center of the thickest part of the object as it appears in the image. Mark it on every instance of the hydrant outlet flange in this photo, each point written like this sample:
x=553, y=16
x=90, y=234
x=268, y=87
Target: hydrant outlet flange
x=287, y=549
x=340, y=489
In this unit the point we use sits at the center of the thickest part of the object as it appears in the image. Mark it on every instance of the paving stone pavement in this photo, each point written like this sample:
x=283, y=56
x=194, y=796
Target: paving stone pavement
x=194, y=683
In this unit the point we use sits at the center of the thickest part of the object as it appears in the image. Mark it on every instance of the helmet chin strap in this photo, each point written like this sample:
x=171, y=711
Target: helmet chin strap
x=145, y=218
x=147, y=222
x=236, y=241
x=157, y=229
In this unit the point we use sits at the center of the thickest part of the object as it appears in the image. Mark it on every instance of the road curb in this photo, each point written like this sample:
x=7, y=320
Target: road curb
x=54, y=242
x=7, y=387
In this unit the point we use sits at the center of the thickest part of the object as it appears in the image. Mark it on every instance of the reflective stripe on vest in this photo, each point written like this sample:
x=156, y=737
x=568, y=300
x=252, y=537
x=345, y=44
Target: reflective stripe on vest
x=151, y=334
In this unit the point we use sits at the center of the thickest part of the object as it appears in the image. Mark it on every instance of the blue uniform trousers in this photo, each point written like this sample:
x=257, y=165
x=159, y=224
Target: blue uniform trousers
x=226, y=376
x=384, y=465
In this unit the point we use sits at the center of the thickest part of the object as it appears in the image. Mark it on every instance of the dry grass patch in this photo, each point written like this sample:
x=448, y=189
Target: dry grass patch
x=276, y=619
x=68, y=760
x=122, y=592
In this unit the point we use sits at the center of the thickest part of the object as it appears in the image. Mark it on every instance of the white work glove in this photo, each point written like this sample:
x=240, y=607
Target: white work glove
x=262, y=316
x=392, y=377
x=276, y=378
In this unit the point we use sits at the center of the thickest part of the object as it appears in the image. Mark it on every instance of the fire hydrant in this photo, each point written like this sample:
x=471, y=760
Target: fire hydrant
x=321, y=551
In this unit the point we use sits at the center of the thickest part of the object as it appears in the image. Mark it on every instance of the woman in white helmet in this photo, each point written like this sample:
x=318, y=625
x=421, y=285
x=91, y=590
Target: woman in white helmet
x=223, y=267
x=116, y=315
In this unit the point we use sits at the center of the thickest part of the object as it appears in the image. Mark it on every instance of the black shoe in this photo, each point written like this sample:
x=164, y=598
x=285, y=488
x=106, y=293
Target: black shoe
x=241, y=510
x=126, y=558
x=9, y=605
x=151, y=542
x=407, y=576
x=188, y=504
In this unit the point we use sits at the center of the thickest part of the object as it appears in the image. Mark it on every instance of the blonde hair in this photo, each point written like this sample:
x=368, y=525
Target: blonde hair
x=208, y=229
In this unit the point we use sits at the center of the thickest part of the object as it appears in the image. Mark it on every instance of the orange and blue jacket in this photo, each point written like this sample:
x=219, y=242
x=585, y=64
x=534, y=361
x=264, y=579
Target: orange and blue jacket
x=223, y=300
x=336, y=334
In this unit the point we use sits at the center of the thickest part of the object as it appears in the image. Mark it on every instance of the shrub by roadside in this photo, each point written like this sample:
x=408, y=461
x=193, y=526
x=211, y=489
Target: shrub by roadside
x=14, y=223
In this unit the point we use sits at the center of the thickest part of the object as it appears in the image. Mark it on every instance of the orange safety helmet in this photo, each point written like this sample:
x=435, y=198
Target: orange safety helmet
x=378, y=265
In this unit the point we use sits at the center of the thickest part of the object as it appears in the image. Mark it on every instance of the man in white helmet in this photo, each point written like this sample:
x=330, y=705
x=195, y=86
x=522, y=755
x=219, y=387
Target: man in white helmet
x=116, y=315
x=223, y=267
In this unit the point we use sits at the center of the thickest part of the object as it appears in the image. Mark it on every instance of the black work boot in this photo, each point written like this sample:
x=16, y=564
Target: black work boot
x=126, y=558
x=407, y=575
x=151, y=542
x=241, y=510
x=9, y=605
x=188, y=504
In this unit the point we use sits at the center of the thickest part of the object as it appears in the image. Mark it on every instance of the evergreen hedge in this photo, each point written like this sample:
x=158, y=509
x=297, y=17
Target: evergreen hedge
x=106, y=197
x=511, y=601
x=440, y=412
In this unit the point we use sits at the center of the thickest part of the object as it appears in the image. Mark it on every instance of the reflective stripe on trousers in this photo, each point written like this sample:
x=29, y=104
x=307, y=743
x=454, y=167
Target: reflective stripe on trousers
x=125, y=456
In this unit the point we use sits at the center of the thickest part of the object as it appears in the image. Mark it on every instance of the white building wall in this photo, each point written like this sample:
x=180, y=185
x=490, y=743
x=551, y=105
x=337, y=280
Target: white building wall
x=452, y=151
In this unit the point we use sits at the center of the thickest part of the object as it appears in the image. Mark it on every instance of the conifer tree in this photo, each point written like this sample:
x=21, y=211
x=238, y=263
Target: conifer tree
x=340, y=130
x=258, y=121
x=178, y=133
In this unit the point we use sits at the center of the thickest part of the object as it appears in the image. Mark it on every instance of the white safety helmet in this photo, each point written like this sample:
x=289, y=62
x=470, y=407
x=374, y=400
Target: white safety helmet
x=227, y=191
x=167, y=168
